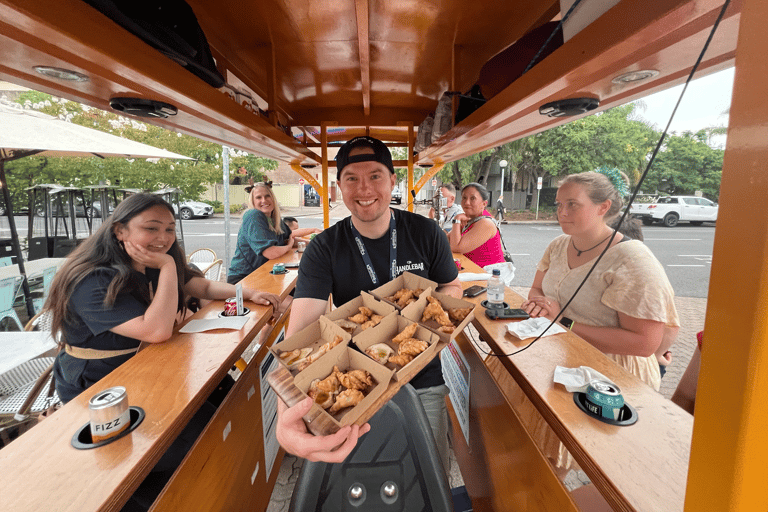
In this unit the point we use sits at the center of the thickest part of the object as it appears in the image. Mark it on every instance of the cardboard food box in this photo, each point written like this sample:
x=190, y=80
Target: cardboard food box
x=346, y=359
x=415, y=312
x=351, y=308
x=391, y=326
x=313, y=336
x=404, y=280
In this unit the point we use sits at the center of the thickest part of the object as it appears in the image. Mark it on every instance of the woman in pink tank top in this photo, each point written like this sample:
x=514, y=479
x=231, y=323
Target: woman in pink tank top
x=474, y=232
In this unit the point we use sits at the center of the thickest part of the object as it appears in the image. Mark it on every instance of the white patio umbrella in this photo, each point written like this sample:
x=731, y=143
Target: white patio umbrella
x=26, y=133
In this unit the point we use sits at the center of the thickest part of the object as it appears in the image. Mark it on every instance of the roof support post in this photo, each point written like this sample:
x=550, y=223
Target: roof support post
x=326, y=196
x=728, y=451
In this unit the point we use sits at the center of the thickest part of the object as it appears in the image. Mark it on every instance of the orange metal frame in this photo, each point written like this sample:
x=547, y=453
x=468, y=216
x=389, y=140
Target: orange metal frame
x=377, y=67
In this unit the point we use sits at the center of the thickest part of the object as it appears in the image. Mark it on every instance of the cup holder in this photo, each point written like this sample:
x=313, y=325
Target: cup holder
x=82, y=439
x=627, y=413
x=488, y=305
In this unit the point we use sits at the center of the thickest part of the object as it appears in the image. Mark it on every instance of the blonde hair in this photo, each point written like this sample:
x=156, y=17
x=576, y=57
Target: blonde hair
x=276, y=218
x=599, y=188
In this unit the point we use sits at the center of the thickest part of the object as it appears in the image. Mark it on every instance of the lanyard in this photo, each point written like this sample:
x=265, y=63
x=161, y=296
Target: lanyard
x=392, y=250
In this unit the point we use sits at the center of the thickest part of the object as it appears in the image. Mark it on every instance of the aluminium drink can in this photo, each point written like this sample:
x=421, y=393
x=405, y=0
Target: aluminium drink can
x=230, y=307
x=604, y=399
x=109, y=413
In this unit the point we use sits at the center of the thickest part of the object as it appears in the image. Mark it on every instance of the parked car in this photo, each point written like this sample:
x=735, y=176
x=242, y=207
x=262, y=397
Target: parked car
x=397, y=196
x=311, y=198
x=672, y=209
x=192, y=209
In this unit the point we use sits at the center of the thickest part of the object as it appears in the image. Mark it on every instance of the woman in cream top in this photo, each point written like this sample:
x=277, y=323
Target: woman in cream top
x=625, y=308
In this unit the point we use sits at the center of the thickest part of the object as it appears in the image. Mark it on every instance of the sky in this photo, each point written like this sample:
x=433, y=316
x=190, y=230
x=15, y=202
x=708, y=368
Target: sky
x=703, y=105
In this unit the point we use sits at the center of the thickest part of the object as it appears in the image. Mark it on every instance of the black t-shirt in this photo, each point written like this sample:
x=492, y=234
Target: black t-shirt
x=91, y=328
x=332, y=264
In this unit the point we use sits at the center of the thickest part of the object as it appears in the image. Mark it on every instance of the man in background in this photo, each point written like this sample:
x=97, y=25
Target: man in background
x=445, y=218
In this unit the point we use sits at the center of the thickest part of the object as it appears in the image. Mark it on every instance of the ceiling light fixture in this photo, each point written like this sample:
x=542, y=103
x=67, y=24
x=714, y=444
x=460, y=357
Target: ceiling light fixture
x=635, y=76
x=61, y=74
x=569, y=107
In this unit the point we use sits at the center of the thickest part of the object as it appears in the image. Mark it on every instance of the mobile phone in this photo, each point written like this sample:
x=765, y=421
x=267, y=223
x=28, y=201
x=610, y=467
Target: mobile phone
x=474, y=291
x=508, y=313
x=292, y=264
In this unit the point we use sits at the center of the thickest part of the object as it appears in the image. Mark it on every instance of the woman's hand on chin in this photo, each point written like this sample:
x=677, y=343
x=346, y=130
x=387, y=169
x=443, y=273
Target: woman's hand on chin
x=147, y=258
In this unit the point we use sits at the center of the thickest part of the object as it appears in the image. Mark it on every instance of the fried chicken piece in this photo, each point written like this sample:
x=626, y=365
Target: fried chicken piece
x=366, y=311
x=321, y=351
x=410, y=301
x=347, y=398
x=401, y=359
x=447, y=328
x=435, y=311
x=321, y=397
x=358, y=318
x=355, y=379
x=374, y=321
x=406, y=333
x=399, y=293
x=417, y=292
x=412, y=347
x=459, y=314
x=330, y=384
x=403, y=300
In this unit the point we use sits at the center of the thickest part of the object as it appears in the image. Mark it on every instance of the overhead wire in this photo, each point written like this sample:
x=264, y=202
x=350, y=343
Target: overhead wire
x=637, y=187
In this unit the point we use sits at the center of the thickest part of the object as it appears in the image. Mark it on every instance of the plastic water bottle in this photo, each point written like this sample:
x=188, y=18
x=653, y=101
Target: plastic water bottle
x=496, y=290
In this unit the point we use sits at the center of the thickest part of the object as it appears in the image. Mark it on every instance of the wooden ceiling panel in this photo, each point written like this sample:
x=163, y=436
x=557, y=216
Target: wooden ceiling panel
x=413, y=46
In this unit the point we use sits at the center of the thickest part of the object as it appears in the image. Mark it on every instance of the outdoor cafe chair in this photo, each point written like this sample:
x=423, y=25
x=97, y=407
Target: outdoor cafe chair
x=7, y=296
x=27, y=391
x=47, y=280
x=202, y=258
x=213, y=271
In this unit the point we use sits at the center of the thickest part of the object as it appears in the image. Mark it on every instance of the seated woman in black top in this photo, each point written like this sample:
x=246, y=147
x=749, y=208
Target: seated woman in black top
x=124, y=285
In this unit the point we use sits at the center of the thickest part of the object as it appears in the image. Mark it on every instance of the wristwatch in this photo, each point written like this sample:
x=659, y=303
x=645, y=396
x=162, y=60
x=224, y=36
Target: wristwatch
x=456, y=221
x=566, y=322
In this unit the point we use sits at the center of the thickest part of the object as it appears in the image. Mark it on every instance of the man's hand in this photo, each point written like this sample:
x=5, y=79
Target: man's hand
x=263, y=298
x=292, y=435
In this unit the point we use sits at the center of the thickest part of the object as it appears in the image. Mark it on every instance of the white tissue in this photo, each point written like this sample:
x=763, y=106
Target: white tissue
x=533, y=327
x=577, y=379
x=507, y=273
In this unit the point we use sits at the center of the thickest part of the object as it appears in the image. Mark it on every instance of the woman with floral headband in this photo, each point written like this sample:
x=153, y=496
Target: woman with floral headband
x=626, y=307
x=263, y=235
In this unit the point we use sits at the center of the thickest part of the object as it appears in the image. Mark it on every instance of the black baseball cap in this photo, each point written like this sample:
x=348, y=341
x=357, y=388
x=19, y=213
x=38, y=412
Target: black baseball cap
x=380, y=154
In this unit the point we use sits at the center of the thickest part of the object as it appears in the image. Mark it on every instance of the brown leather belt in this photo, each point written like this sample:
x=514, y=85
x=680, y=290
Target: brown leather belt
x=92, y=353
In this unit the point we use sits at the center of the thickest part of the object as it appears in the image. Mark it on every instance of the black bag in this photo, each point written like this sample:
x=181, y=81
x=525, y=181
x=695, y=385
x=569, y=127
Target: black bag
x=169, y=26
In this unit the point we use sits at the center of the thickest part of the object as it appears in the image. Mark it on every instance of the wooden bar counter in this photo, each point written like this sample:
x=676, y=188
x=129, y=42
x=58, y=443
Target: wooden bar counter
x=170, y=381
x=639, y=467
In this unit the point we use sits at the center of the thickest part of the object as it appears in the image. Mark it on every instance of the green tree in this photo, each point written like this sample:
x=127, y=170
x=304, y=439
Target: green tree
x=686, y=164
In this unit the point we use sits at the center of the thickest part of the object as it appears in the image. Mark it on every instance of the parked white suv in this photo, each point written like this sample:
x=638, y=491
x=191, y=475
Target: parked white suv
x=192, y=209
x=673, y=209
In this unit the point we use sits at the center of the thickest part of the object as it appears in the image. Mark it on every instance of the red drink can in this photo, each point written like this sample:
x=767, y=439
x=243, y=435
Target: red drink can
x=458, y=263
x=230, y=307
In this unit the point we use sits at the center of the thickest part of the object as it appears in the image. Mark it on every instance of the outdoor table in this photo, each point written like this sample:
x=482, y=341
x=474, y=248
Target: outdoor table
x=169, y=381
x=19, y=347
x=639, y=467
x=33, y=268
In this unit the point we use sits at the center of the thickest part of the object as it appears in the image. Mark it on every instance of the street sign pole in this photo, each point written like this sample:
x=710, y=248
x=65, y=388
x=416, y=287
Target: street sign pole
x=225, y=181
x=538, y=195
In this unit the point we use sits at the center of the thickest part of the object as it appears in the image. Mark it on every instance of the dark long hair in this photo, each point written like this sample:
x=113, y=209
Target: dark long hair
x=103, y=250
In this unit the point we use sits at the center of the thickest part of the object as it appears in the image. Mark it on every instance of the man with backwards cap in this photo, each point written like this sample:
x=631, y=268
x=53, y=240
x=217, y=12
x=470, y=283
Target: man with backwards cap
x=362, y=252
